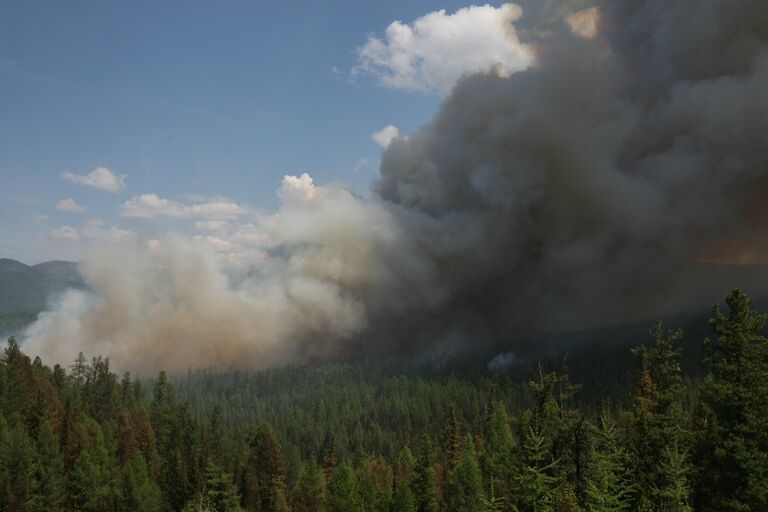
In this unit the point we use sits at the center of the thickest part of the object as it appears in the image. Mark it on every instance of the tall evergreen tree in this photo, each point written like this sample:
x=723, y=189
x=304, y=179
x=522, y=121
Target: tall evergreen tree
x=47, y=473
x=16, y=461
x=91, y=476
x=221, y=490
x=659, y=424
x=139, y=492
x=609, y=484
x=734, y=448
x=342, y=490
x=264, y=474
x=424, y=482
x=309, y=495
x=464, y=489
x=535, y=484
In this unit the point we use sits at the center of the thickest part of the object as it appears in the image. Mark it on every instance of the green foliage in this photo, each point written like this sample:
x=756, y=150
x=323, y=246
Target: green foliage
x=220, y=491
x=343, y=437
x=660, y=447
x=734, y=449
x=342, y=489
x=47, y=492
x=139, y=491
x=309, y=495
x=464, y=489
x=609, y=488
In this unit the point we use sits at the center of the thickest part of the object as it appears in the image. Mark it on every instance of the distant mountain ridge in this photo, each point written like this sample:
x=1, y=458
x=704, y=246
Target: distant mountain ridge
x=26, y=288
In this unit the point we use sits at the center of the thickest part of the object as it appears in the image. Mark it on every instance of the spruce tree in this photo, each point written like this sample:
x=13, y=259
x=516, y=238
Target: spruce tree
x=264, y=475
x=609, y=480
x=464, y=488
x=139, y=492
x=535, y=484
x=404, y=500
x=91, y=478
x=47, y=473
x=734, y=449
x=220, y=490
x=309, y=495
x=659, y=424
x=16, y=460
x=424, y=482
x=342, y=490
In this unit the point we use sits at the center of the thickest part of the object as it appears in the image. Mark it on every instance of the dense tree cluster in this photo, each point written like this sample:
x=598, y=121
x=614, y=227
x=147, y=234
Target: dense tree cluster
x=369, y=437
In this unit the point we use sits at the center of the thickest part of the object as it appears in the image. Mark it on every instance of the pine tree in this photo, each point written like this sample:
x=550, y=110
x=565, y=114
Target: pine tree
x=220, y=490
x=659, y=422
x=608, y=487
x=452, y=441
x=535, y=483
x=404, y=472
x=342, y=490
x=309, y=495
x=139, y=492
x=91, y=477
x=464, y=489
x=424, y=482
x=734, y=448
x=16, y=461
x=499, y=461
x=264, y=475
x=47, y=473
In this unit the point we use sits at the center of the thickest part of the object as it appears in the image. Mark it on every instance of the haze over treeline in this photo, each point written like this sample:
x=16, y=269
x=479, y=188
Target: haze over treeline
x=584, y=189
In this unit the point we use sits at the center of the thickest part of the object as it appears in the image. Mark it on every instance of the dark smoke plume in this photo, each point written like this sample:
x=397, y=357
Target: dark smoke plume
x=591, y=188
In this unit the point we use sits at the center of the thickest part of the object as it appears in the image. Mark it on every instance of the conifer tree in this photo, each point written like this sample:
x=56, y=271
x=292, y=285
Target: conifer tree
x=424, y=482
x=659, y=423
x=535, y=483
x=139, y=492
x=342, y=490
x=16, y=460
x=608, y=487
x=734, y=448
x=91, y=476
x=264, y=475
x=464, y=489
x=309, y=495
x=220, y=490
x=499, y=460
x=404, y=500
x=452, y=440
x=47, y=473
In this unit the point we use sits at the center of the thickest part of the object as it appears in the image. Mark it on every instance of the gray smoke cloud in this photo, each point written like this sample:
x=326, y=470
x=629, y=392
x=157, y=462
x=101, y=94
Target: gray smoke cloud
x=587, y=189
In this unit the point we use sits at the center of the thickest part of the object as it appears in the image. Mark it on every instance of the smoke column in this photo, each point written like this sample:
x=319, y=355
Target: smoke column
x=581, y=191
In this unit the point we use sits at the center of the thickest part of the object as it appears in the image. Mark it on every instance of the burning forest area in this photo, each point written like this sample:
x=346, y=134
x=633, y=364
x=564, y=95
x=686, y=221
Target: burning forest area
x=392, y=257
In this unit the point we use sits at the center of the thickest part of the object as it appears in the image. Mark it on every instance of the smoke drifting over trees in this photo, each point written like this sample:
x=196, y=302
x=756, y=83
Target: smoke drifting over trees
x=582, y=190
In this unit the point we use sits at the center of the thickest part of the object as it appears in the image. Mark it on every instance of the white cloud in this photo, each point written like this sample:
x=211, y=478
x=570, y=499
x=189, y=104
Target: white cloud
x=150, y=206
x=297, y=189
x=94, y=229
x=211, y=225
x=69, y=205
x=384, y=136
x=101, y=178
x=363, y=162
x=65, y=233
x=433, y=52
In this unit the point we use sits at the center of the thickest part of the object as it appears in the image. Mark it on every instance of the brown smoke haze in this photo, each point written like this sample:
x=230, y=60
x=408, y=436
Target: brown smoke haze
x=584, y=190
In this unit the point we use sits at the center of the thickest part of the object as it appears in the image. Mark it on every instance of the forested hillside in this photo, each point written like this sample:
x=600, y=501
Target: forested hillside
x=381, y=436
x=26, y=289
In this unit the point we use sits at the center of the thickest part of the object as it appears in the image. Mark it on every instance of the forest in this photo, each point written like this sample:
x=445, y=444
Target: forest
x=382, y=436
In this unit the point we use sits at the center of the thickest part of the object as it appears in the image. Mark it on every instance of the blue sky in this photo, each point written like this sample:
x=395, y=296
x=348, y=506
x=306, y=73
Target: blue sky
x=204, y=98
